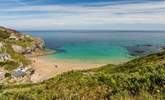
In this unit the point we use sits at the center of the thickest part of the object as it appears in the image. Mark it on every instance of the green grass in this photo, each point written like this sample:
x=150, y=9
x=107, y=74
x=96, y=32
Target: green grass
x=4, y=35
x=9, y=65
x=20, y=43
x=16, y=58
x=139, y=79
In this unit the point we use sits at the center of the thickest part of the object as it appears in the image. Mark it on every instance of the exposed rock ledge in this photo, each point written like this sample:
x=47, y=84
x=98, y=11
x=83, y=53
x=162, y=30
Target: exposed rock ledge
x=17, y=38
x=15, y=49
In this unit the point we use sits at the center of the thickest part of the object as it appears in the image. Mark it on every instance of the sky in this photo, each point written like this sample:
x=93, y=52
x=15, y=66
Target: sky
x=83, y=14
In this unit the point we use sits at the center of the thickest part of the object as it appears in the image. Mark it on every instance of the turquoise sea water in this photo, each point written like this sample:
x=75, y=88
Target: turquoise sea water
x=96, y=45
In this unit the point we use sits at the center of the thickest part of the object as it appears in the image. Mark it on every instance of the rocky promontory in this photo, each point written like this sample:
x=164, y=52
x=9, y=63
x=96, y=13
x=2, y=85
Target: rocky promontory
x=14, y=48
x=21, y=43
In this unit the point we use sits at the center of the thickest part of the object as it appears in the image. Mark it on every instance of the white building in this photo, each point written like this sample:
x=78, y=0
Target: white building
x=13, y=37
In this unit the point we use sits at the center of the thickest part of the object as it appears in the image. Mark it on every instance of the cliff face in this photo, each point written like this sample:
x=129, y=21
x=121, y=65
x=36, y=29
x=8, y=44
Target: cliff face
x=15, y=45
x=21, y=43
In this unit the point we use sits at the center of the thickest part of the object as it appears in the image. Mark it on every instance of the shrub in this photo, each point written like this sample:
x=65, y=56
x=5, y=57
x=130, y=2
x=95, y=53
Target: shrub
x=4, y=35
x=7, y=75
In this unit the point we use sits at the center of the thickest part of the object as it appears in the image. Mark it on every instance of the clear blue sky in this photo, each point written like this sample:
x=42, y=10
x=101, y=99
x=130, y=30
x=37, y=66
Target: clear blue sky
x=83, y=14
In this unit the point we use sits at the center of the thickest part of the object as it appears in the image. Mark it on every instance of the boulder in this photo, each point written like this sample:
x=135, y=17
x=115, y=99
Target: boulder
x=40, y=44
x=18, y=49
x=5, y=57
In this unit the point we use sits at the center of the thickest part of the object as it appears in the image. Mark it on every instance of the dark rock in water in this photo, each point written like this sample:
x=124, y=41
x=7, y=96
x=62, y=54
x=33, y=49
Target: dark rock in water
x=61, y=50
x=140, y=50
x=149, y=45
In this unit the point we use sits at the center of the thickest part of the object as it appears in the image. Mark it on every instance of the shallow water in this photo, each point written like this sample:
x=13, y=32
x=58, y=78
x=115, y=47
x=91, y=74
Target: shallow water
x=96, y=45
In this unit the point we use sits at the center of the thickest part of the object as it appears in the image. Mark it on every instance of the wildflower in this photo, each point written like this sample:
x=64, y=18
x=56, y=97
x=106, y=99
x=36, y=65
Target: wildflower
x=158, y=91
x=164, y=86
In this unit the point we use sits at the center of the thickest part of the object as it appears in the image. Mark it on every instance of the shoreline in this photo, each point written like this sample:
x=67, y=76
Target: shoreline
x=46, y=68
x=40, y=53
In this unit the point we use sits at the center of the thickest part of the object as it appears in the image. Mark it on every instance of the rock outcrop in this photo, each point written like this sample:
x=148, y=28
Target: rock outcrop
x=14, y=49
x=142, y=50
x=18, y=49
x=21, y=43
x=15, y=45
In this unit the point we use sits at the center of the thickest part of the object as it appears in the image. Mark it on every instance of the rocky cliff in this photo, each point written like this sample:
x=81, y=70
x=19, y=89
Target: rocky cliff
x=14, y=48
x=21, y=43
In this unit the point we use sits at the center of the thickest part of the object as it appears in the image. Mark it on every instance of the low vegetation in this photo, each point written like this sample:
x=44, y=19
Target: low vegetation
x=8, y=38
x=4, y=35
x=15, y=57
x=140, y=79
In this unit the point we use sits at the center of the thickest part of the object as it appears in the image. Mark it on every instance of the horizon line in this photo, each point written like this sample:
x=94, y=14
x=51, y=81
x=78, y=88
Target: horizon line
x=125, y=30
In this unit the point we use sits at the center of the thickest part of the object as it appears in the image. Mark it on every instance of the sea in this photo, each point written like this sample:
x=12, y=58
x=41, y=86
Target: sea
x=97, y=45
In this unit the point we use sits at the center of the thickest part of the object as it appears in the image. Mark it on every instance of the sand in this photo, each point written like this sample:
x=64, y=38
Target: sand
x=46, y=68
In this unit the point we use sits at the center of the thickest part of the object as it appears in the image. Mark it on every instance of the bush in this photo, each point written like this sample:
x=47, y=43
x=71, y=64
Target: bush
x=142, y=78
x=4, y=35
x=7, y=75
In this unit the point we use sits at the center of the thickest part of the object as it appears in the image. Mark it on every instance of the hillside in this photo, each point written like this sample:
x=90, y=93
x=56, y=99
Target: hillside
x=14, y=48
x=140, y=79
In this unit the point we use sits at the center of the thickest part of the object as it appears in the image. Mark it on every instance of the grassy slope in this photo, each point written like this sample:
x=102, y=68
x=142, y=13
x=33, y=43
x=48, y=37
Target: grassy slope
x=18, y=58
x=3, y=35
x=139, y=79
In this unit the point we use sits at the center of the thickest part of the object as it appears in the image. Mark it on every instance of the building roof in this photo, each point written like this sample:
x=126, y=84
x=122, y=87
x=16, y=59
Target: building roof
x=18, y=73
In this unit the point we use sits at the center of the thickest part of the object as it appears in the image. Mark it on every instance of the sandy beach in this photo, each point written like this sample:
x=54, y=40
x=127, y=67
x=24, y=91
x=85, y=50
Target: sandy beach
x=46, y=68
